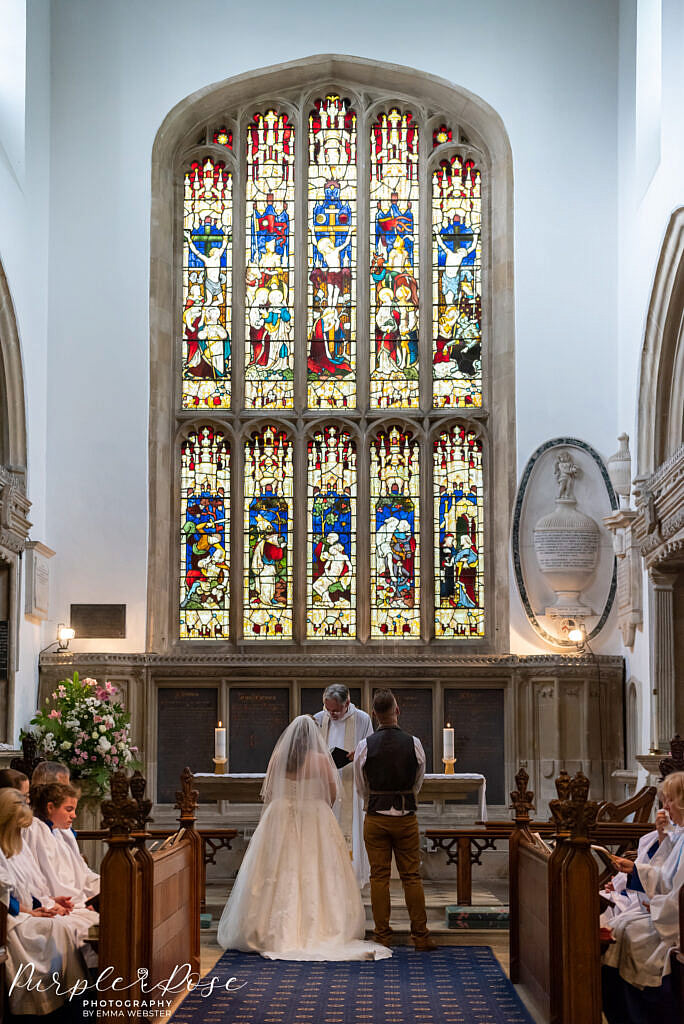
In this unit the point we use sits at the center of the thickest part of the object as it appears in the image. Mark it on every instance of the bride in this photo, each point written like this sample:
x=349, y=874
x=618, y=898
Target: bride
x=295, y=896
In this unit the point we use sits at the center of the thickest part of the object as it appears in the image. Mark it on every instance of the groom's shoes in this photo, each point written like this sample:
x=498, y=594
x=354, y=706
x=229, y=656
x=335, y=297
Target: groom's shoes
x=426, y=945
x=386, y=939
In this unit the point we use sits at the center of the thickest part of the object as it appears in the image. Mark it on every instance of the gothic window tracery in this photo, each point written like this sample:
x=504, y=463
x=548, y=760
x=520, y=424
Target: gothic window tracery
x=330, y=387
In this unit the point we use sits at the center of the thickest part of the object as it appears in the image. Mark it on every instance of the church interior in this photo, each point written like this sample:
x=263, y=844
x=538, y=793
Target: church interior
x=345, y=398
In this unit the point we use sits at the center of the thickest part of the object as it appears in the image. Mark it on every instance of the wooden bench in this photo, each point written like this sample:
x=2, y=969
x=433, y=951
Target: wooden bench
x=149, y=900
x=555, y=952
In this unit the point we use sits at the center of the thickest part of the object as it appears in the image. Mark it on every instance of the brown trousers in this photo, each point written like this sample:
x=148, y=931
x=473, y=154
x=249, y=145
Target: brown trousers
x=383, y=835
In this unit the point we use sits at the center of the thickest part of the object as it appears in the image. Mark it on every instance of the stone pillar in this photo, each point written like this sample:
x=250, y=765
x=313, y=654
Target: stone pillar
x=662, y=665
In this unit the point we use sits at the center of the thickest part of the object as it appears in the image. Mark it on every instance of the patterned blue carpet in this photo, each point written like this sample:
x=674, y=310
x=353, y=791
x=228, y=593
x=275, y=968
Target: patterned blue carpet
x=454, y=985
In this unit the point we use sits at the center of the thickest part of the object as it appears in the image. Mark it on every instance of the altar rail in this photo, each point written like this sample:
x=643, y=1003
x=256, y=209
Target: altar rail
x=464, y=846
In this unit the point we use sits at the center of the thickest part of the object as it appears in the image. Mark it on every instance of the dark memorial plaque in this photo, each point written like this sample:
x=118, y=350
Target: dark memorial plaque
x=477, y=717
x=415, y=716
x=186, y=719
x=311, y=698
x=257, y=718
x=98, y=621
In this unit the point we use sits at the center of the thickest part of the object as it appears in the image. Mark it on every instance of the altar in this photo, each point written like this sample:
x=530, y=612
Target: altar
x=245, y=788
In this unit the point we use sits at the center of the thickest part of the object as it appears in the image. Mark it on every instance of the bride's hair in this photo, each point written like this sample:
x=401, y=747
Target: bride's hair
x=301, y=767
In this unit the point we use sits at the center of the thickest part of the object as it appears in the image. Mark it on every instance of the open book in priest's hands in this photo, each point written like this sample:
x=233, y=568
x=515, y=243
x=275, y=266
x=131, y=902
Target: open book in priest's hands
x=340, y=757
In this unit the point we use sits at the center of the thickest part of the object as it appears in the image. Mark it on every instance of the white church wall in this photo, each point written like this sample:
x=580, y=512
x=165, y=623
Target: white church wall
x=550, y=70
x=651, y=136
x=24, y=196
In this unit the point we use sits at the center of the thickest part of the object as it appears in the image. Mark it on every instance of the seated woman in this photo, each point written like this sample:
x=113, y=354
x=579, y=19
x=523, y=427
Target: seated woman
x=618, y=889
x=65, y=870
x=637, y=986
x=12, y=779
x=38, y=935
x=296, y=895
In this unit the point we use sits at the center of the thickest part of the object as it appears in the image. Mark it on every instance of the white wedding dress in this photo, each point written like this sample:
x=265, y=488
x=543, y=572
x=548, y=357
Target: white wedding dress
x=296, y=895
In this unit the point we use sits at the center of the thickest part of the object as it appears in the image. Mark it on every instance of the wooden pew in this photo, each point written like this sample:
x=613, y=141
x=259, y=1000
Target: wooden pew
x=149, y=900
x=554, y=906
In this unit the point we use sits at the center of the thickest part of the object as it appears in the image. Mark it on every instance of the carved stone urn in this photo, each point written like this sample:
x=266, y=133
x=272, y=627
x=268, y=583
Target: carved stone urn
x=566, y=543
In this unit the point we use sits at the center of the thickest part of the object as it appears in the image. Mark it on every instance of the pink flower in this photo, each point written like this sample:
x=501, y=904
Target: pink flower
x=55, y=713
x=97, y=718
x=92, y=757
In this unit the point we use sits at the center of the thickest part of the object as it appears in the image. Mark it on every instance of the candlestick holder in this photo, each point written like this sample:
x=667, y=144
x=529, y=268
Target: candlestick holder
x=449, y=763
x=220, y=765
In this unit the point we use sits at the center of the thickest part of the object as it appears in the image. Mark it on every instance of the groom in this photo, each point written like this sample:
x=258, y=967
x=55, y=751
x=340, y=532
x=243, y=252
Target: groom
x=388, y=771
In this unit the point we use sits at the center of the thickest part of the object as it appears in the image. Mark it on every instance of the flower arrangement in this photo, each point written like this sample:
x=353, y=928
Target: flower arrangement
x=84, y=725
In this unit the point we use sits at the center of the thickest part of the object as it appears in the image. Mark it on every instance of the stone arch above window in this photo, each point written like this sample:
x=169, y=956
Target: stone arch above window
x=661, y=385
x=374, y=203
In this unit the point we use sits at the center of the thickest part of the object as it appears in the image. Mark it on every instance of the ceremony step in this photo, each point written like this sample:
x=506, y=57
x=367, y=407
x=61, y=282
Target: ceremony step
x=480, y=918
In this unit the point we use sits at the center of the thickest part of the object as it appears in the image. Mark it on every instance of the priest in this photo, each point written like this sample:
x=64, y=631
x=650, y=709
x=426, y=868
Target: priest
x=344, y=726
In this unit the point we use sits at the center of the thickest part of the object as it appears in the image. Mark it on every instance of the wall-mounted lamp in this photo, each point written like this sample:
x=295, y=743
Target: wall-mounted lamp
x=576, y=632
x=65, y=634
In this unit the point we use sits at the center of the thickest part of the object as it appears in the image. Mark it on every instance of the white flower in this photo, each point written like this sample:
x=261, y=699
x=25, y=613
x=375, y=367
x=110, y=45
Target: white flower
x=103, y=744
x=103, y=728
x=65, y=745
x=127, y=756
x=94, y=734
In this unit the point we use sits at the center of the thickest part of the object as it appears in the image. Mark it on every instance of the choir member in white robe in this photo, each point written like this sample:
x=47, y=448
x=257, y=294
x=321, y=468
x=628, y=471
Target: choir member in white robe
x=645, y=934
x=36, y=935
x=344, y=726
x=53, y=844
x=618, y=891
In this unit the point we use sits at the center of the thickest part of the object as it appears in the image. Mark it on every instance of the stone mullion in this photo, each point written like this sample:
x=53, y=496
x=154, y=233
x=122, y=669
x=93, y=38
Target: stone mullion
x=426, y=536
x=362, y=368
x=237, y=476
x=300, y=502
x=362, y=538
x=425, y=270
x=301, y=268
x=239, y=330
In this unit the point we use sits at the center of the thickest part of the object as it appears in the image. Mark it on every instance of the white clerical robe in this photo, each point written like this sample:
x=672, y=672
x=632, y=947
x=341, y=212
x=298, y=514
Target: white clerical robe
x=49, y=943
x=346, y=733
x=65, y=871
x=623, y=898
x=644, y=937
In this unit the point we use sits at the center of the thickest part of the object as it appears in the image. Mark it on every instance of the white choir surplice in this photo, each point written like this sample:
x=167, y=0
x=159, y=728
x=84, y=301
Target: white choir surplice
x=49, y=943
x=644, y=937
x=346, y=733
x=65, y=871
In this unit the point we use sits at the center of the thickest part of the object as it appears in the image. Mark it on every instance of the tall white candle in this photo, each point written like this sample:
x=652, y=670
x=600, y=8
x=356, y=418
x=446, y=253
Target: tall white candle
x=219, y=742
x=448, y=741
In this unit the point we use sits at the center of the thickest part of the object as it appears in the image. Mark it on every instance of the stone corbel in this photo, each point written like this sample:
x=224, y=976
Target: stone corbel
x=14, y=508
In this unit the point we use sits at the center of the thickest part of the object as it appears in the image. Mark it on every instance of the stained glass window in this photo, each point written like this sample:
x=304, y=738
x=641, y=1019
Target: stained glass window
x=456, y=284
x=223, y=137
x=332, y=248
x=207, y=283
x=269, y=302
x=441, y=135
x=331, y=539
x=395, y=535
x=268, y=530
x=459, y=570
x=394, y=204
x=205, y=533
x=318, y=340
